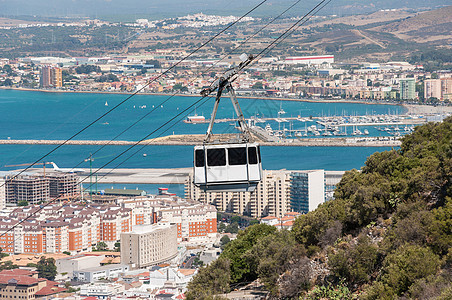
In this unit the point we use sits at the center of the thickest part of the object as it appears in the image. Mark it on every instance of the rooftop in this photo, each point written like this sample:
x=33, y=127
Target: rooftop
x=140, y=229
x=103, y=268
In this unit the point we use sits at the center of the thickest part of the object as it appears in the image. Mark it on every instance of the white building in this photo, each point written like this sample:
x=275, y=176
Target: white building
x=149, y=245
x=97, y=273
x=308, y=190
x=310, y=60
x=101, y=290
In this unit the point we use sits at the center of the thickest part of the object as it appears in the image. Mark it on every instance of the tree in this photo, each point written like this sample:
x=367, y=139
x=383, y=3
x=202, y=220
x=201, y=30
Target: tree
x=356, y=262
x=46, y=268
x=224, y=241
x=8, y=70
x=236, y=219
x=272, y=255
x=8, y=265
x=221, y=227
x=258, y=86
x=86, y=69
x=108, y=78
x=235, y=251
x=7, y=82
x=407, y=264
x=118, y=246
x=22, y=203
x=2, y=255
x=232, y=228
x=101, y=246
x=211, y=280
x=254, y=222
x=180, y=87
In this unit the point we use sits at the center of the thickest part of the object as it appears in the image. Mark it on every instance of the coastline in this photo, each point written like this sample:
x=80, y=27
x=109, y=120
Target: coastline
x=411, y=108
x=194, y=95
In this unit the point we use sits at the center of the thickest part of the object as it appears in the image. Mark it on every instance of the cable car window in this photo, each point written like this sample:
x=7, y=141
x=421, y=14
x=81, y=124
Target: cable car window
x=252, y=155
x=237, y=156
x=216, y=157
x=199, y=158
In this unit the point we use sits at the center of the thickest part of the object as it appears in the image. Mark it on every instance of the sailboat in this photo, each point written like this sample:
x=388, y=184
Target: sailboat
x=106, y=103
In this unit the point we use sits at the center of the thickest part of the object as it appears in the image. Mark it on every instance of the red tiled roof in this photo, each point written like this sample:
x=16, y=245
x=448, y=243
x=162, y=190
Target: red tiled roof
x=269, y=218
x=288, y=223
x=21, y=279
x=50, y=290
x=18, y=272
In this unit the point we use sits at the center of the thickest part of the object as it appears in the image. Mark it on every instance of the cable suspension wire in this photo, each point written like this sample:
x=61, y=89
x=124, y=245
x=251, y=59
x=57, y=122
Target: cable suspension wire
x=139, y=90
x=285, y=34
x=42, y=206
x=207, y=70
x=275, y=43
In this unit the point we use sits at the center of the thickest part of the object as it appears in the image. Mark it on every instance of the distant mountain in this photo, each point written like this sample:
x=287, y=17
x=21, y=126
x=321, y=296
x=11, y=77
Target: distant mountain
x=154, y=9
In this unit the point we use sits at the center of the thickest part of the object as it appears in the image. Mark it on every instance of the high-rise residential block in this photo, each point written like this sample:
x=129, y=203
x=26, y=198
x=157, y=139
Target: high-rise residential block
x=51, y=77
x=272, y=197
x=407, y=88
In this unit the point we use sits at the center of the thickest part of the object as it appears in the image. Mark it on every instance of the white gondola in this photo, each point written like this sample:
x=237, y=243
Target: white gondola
x=227, y=167
x=233, y=166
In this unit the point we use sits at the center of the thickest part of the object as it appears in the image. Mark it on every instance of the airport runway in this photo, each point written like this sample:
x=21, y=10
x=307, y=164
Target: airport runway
x=140, y=176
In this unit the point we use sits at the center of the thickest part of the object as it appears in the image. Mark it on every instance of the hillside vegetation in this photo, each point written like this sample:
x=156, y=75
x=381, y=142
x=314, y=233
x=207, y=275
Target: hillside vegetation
x=387, y=235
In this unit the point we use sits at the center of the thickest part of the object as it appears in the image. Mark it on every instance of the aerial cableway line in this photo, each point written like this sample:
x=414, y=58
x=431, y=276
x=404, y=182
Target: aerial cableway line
x=273, y=44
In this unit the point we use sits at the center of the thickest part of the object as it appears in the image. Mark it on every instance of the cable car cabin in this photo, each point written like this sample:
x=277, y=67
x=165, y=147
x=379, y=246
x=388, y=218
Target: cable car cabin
x=227, y=167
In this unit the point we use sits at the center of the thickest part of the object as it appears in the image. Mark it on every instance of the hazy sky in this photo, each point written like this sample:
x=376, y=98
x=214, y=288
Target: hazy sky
x=158, y=8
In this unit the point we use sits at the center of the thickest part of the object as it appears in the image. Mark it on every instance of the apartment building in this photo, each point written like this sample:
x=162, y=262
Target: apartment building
x=51, y=77
x=56, y=228
x=149, y=245
x=307, y=190
x=63, y=185
x=272, y=197
x=36, y=189
x=114, y=222
x=432, y=88
x=438, y=88
x=33, y=189
x=196, y=222
x=408, y=88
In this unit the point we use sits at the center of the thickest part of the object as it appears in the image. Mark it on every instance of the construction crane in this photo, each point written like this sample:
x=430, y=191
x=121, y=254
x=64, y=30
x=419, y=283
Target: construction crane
x=39, y=163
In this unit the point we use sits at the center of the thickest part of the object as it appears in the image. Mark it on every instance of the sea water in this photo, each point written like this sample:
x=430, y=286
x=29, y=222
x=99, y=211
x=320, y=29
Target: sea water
x=49, y=116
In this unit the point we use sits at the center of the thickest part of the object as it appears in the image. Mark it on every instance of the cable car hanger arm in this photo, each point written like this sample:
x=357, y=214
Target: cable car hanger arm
x=222, y=83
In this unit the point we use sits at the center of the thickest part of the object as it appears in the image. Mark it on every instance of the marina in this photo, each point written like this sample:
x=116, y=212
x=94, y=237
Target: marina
x=34, y=123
